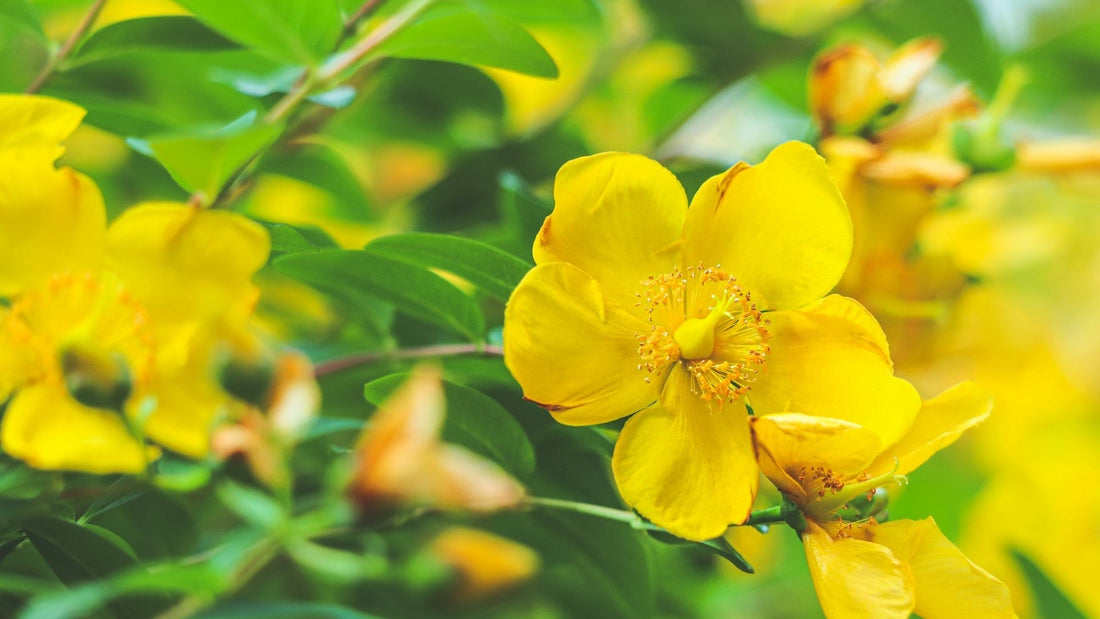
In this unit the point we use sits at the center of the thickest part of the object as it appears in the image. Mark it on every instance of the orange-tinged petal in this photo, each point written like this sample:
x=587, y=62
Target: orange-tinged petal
x=48, y=429
x=940, y=422
x=857, y=579
x=571, y=351
x=947, y=584
x=50, y=221
x=908, y=66
x=618, y=217
x=401, y=458
x=687, y=464
x=33, y=127
x=831, y=360
x=788, y=443
x=188, y=264
x=780, y=227
x=486, y=564
x=845, y=89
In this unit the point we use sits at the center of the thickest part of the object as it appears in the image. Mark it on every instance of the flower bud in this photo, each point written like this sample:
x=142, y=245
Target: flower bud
x=96, y=378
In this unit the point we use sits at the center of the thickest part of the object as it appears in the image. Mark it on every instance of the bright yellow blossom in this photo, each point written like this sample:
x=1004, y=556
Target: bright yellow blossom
x=685, y=316
x=862, y=568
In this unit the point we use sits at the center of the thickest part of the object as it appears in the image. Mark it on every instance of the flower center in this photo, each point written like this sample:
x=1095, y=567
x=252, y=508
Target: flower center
x=703, y=320
x=85, y=328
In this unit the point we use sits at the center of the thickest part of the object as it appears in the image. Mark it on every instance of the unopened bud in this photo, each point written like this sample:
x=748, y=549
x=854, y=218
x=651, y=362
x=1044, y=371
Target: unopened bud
x=96, y=378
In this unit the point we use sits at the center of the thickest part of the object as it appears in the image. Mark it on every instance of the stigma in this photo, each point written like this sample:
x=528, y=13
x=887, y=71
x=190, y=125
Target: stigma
x=704, y=322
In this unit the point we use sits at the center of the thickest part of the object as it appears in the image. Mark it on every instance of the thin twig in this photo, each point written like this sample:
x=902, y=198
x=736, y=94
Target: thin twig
x=365, y=11
x=366, y=358
x=67, y=47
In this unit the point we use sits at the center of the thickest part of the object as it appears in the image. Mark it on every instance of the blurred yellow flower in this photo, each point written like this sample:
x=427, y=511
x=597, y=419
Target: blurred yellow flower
x=400, y=459
x=639, y=304
x=485, y=564
x=831, y=468
x=109, y=336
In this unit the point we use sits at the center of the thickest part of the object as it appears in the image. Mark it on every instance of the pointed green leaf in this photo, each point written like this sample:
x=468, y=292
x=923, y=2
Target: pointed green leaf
x=160, y=33
x=494, y=272
x=203, y=163
x=300, y=31
x=413, y=290
x=477, y=36
x=1049, y=599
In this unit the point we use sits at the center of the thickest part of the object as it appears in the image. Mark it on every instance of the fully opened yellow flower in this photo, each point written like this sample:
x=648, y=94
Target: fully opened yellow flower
x=862, y=568
x=684, y=316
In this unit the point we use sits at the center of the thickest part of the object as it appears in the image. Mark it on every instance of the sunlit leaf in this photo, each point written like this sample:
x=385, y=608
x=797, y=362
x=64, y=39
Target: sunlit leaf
x=303, y=31
x=458, y=33
x=160, y=33
x=203, y=163
x=413, y=290
x=493, y=271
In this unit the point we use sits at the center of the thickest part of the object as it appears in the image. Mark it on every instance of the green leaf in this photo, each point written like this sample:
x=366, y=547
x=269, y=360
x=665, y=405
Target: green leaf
x=23, y=45
x=82, y=600
x=1049, y=600
x=286, y=239
x=475, y=421
x=203, y=163
x=243, y=609
x=521, y=210
x=162, y=33
x=719, y=546
x=300, y=31
x=78, y=554
x=323, y=426
x=494, y=272
x=413, y=290
x=252, y=505
x=326, y=168
x=456, y=33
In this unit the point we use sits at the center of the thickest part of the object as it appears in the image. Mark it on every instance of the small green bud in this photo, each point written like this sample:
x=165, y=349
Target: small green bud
x=983, y=146
x=250, y=380
x=96, y=378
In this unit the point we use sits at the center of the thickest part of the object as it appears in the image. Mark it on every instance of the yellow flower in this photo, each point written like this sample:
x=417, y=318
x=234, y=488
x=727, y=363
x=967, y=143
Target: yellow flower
x=639, y=304
x=831, y=468
x=485, y=564
x=110, y=332
x=400, y=459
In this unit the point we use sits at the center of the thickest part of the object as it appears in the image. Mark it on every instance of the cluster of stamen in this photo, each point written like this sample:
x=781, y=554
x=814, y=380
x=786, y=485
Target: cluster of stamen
x=727, y=333
x=823, y=479
x=85, y=306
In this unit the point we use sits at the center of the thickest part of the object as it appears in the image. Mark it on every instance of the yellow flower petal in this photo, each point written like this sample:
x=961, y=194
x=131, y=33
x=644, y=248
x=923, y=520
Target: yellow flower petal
x=857, y=579
x=788, y=443
x=572, y=352
x=831, y=360
x=50, y=221
x=780, y=227
x=845, y=88
x=46, y=428
x=686, y=464
x=947, y=584
x=940, y=422
x=187, y=264
x=618, y=217
x=188, y=400
x=33, y=127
